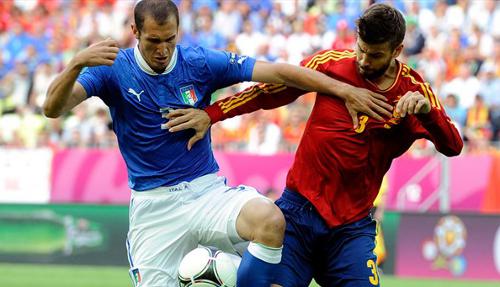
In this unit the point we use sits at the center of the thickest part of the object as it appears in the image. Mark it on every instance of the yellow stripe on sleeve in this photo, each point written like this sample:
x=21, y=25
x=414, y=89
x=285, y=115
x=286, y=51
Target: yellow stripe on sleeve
x=269, y=88
x=433, y=96
x=327, y=56
x=249, y=95
x=425, y=87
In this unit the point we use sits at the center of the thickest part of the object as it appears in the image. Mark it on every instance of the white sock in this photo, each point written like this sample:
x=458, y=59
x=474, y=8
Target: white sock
x=265, y=253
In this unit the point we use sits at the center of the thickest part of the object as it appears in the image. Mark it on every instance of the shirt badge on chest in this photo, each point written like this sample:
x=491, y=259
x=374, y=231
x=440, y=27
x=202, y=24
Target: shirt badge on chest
x=188, y=94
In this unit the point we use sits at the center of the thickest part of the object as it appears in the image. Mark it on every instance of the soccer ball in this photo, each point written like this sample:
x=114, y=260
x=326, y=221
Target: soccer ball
x=208, y=267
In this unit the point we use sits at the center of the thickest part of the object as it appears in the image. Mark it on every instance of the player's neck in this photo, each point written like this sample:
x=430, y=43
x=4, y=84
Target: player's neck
x=387, y=79
x=143, y=64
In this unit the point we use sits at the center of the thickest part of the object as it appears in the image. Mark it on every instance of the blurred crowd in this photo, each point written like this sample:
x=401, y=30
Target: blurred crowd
x=454, y=44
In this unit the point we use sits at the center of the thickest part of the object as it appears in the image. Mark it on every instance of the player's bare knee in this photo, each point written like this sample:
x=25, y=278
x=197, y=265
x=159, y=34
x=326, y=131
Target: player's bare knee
x=269, y=224
x=261, y=221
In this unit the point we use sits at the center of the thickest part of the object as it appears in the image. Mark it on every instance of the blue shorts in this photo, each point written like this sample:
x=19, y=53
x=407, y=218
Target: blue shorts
x=341, y=256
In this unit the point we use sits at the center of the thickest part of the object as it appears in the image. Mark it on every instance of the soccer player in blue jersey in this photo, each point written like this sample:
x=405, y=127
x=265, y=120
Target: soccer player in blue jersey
x=177, y=200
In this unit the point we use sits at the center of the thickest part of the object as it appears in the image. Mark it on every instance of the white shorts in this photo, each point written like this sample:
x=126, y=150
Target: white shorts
x=166, y=223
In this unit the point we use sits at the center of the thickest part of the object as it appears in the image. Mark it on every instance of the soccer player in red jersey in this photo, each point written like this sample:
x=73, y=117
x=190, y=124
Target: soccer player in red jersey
x=338, y=169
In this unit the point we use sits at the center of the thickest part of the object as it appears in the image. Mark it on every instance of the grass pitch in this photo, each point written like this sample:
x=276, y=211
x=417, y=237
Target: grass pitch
x=31, y=275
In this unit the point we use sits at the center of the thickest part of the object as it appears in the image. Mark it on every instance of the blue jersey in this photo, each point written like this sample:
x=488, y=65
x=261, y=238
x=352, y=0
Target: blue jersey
x=138, y=97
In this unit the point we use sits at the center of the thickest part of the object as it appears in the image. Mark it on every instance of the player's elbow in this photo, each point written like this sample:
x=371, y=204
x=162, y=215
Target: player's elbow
x=50, y=112
x=453, y=149
x=450, y=153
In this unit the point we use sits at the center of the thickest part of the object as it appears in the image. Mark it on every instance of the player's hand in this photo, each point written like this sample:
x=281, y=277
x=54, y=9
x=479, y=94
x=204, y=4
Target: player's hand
x=97, y=54
x=413, y=103
x=359, y=100
x=183, y=119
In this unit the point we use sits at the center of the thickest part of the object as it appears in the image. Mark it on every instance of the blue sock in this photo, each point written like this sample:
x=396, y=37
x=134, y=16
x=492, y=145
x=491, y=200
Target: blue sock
x=258, y=265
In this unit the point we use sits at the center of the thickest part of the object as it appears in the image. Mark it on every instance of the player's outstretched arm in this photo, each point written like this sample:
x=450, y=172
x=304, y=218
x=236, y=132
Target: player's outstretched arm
x=358, y=100
x=260, y=96
x=64, y=92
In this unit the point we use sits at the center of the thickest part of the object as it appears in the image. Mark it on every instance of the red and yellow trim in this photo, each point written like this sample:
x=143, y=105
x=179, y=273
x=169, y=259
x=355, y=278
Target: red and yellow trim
x=424, y=87
x=331, y=55
x=236, y=101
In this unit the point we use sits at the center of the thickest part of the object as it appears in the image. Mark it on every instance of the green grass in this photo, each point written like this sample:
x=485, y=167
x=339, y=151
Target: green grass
x=27, y=275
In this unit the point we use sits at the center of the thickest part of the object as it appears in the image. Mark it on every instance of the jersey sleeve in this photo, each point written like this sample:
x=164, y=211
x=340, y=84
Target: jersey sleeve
x=260, y=96
x=310, y=62
x=436, y=126
x=94, y=80
x=229, y=68
x=324, y=61
x=269, y=96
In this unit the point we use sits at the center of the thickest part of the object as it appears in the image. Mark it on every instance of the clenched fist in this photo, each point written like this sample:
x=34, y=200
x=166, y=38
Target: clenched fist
x=97, y=54
x=413, y=103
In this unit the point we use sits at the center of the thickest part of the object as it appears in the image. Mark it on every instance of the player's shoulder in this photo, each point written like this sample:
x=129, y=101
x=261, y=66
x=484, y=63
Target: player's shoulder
x=124, y=58
x=192, y=55
x=329, y=56
x=126, y=54
x=411, y=76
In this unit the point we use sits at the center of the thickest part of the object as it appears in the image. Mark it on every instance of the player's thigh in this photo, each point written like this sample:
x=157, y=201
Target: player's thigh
x=157, y=240
x=217, y=213
x=296, y=268
x=348, y=259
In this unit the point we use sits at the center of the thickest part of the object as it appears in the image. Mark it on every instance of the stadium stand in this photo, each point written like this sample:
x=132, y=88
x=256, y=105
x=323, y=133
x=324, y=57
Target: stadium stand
x=454, y=44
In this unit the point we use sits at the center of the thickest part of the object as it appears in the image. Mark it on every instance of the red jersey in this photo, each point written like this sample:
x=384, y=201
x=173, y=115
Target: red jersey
x=339, y=169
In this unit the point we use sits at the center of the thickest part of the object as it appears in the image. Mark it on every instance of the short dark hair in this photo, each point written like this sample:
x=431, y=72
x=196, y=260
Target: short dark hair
x=381, y=23
x=161, y=10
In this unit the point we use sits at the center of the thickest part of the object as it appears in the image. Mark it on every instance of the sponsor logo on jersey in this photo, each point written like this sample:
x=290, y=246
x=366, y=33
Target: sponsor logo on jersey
x=233, y=58
x=242, y=59
x=138, y=95
x=188, y=94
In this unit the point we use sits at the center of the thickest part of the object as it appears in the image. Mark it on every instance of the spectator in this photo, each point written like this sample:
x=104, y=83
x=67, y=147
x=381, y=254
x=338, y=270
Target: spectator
x=263, y=135
x=298, y=44
x=293, y=127
x=187, y=23
x=227, y=21
x=344, y=38
x=482, y=42
x=455, y=14
x=490, y=91
x=435, y=40
x=477, y=128
x=276, y=41
x=432, y=66
x=206, y=35
x=249, y=41
x=460, y=56
x=414, y=40
x=43, y=75
x=22, y=84
x=465, y=86
x=456, y=112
